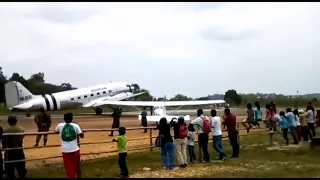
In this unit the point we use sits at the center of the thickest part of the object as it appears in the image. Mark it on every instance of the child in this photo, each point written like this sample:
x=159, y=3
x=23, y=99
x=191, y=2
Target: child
x=268, y=117
x=257, y=114
x=250, y=118
x=284, y=125
x=121, y=140
x=190, y=143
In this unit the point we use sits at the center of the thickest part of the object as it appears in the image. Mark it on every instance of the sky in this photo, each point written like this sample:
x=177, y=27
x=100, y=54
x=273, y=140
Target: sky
x=194, y=49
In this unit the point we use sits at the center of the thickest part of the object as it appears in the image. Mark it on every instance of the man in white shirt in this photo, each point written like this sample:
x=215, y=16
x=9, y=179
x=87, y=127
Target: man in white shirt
x=203, y=138
x=217, y=135
x=69, y=133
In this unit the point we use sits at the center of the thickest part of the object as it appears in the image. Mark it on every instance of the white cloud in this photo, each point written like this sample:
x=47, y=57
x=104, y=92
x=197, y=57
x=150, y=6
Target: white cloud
x=168, y=48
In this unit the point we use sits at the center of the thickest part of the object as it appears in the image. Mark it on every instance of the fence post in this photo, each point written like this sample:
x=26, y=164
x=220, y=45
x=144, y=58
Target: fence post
x=151, y=143
x=271, y=138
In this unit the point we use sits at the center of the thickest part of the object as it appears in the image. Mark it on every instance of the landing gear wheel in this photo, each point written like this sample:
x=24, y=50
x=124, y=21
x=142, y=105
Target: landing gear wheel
x=28, y=114
x=98, y=111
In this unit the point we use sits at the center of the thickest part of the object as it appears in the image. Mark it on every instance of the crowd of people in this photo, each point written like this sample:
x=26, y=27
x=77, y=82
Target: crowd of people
x=299, y=123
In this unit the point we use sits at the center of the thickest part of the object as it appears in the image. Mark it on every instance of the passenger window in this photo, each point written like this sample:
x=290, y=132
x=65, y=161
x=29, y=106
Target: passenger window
x=92, y=94
x=79, y=97
x=98, y=94
x=72, y=99
x=104, y=92
x=85, y=96
x=110, y=91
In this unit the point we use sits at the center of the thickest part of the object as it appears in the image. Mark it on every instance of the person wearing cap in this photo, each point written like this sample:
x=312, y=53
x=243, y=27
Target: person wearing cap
x=14, y=155
x=43, y=121
x=180, y=130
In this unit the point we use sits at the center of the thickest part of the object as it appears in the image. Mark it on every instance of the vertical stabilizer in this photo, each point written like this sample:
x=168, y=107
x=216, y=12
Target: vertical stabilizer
x=16, y=93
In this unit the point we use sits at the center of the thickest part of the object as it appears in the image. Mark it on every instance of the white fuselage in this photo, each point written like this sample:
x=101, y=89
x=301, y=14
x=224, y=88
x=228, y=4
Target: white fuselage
x=160, y=112
x=83, y=97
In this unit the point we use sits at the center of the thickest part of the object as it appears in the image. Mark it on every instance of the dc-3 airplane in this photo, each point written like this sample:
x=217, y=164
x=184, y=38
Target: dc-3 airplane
x=160, y=107
x=20, y=98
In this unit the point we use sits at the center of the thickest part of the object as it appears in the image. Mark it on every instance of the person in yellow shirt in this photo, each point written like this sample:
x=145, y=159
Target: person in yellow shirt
x=303, y=125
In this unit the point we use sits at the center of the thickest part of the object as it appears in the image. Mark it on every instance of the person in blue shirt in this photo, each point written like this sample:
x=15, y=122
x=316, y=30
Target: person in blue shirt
x=257, y=114
x=292, y=125
x=284, y=125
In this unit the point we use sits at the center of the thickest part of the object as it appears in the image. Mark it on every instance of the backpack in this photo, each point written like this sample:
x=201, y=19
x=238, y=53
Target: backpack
x=206, y=128
x=183, y=132
x=68, y=133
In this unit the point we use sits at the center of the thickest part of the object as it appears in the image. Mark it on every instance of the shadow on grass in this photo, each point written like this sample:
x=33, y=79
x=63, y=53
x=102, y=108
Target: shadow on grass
x=257, y=159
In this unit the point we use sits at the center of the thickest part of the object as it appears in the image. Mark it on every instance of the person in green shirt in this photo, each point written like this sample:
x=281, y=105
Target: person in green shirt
x=121, y=140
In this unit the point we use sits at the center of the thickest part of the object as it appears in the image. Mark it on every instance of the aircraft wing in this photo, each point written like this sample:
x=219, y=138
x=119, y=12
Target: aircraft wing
x=119, y=97
x=162, y=103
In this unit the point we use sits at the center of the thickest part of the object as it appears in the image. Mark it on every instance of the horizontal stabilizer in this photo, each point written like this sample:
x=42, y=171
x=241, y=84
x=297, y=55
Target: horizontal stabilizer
x=157, y=118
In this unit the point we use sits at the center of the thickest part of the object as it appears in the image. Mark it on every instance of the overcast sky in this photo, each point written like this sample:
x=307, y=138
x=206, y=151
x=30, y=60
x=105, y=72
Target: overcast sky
x=168, y=48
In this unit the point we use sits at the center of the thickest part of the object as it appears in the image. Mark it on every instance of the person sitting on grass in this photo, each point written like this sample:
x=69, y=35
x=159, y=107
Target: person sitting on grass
x=121, y=140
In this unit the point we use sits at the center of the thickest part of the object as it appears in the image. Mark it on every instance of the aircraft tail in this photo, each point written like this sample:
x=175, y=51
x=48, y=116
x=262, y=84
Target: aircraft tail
x=16, y=94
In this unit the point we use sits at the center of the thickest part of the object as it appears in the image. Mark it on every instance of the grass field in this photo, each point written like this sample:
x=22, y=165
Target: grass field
x=257, y=159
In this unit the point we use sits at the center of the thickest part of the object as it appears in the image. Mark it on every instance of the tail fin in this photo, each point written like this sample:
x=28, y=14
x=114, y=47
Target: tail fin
x=16, y=93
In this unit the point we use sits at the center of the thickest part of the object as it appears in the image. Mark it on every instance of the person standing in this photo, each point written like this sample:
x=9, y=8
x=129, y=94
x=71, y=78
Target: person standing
x=233, y=133
x=116, y=119
x=180, y=140
x=69, y=133
x=144, y=122
x=303, y=126
x=203, y=127
x=43, y=121
x=190, y=143
x=310, y=120
x=297, y=119
x=166, y=143
x=292, y=125
x=121, y=140
x=217, y=135
x=284, y=125
x=14, y=155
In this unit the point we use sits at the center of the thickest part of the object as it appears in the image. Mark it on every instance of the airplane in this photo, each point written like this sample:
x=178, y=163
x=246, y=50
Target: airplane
x=19, y=98
x=160, y=107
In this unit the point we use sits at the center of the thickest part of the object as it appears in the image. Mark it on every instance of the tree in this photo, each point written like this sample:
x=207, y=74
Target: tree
x=144, y=97
x=232, y=97
x=180, y=97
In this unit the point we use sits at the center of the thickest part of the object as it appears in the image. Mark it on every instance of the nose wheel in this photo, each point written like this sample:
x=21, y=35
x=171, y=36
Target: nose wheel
x=98, y=110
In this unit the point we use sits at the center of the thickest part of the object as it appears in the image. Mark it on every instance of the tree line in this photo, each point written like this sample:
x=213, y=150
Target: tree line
x=37, y=85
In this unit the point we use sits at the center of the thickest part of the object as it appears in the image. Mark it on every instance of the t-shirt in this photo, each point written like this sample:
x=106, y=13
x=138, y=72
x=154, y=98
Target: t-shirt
x=284, y=122
x=70, y=146
x=216, y=126
x=257, y=114
x=190, y=141
x=310, y=116
x=231, y=123
x=291, y=119
x=297, y=119
x=13, y=141
x=250, y=115
x=198, y=122
x=122, y=143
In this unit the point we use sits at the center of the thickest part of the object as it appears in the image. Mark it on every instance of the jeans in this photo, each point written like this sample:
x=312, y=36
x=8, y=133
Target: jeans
x=293, y=134
x=167, y=151
x=122, y=161
x=312, y=130
x=203, y=139
x=192, y=154
x=217, y=145
x=285, y=135
x=234, y=141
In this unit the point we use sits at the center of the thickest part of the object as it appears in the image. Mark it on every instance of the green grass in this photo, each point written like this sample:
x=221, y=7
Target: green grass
x=256, y=160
